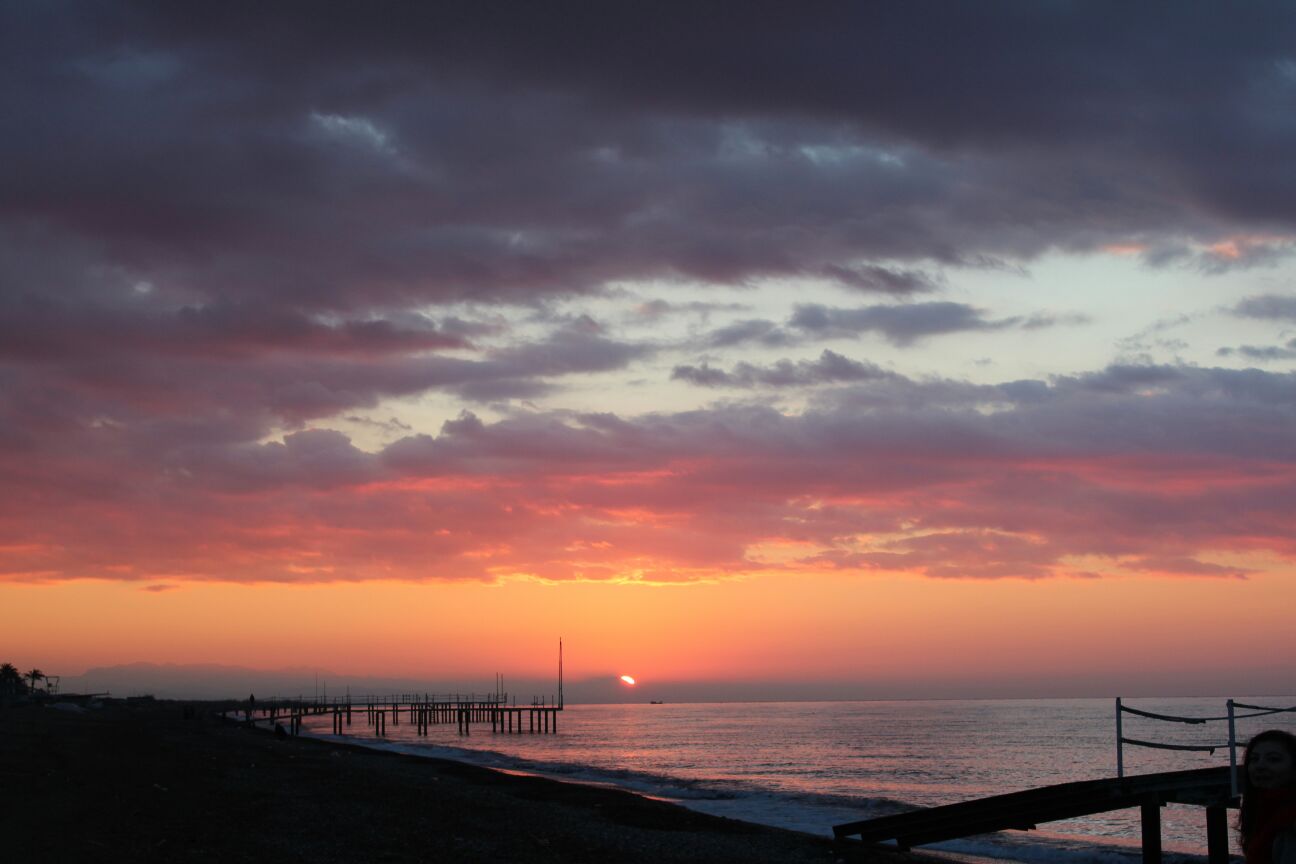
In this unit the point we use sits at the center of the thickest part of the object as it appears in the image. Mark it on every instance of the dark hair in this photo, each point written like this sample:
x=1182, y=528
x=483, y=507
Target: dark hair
x=1247, y=815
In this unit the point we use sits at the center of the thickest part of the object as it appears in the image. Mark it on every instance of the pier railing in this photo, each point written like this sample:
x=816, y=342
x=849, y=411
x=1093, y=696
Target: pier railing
x=1231, y=717
x=421, y=710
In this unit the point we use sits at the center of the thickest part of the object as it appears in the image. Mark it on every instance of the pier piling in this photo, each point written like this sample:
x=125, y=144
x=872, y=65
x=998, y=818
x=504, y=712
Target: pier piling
x=422, y=711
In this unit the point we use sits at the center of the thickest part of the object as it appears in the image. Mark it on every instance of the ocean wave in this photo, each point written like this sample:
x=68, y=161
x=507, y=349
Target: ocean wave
x=658, y=785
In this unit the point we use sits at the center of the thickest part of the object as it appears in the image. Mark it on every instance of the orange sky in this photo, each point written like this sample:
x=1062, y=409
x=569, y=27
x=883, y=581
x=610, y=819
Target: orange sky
x=870, y=636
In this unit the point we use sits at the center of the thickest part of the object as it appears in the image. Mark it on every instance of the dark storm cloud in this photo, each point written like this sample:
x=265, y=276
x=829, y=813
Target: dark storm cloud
x=901, y=325
x=1280, y=307
x=1262, y=353
x=240, y=371
x=33, y=328
x=829, y=368
x=345, y=156
x=750, y=331
x=321, y=459
x=656, y=310
x=571, y=349
x=882, y=280
x=390, y=425
x=525, y=369
x=1044, y=320
x=1265, y=307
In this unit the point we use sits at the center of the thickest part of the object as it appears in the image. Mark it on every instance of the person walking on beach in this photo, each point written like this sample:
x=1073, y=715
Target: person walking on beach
x=1267, y=821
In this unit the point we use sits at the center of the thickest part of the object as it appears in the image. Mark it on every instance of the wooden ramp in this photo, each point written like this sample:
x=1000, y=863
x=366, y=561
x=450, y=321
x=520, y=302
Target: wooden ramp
x=1205, y=787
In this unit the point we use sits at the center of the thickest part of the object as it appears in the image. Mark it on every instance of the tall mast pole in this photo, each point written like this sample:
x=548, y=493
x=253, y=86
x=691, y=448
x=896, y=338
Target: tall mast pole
x=560, y=693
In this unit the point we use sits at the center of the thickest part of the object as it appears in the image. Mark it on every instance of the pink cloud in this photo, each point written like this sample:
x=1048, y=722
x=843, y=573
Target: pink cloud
x=934, y=490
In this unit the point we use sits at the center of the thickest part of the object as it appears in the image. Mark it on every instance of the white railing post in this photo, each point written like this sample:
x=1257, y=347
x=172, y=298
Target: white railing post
x=1120, y=751
x=1233, y=775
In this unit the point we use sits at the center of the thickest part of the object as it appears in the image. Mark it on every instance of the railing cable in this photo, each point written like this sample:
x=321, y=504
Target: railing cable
x=1232, y=717
x=1169, y=717
x=1202, y=748
x=1262, y=709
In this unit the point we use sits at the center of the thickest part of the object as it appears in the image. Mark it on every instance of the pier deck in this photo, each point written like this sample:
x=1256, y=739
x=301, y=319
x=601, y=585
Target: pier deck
x=1206, y=787
x=421, y=712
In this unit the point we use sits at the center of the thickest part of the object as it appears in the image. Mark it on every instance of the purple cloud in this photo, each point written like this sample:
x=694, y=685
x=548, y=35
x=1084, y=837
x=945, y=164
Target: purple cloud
x=900, y=325
x=829, y=368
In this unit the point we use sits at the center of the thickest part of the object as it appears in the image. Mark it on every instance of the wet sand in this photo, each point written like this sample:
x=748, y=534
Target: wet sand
x=154, y=782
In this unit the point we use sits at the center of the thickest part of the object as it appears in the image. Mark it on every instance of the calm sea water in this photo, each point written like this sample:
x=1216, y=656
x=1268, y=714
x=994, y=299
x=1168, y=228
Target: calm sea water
x=810, y=765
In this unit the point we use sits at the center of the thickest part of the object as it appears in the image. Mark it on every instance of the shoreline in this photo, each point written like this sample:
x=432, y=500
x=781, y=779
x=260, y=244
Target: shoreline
x=811, y=819
x=169, y=781
x=929, y=855
x=935, y=854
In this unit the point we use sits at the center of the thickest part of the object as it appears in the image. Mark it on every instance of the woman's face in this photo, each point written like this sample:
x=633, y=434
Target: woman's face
x=1270, y=765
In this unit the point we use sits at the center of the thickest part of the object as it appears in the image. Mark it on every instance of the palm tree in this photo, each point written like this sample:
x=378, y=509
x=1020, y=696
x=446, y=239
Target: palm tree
x=11, y=683
x=34, y=676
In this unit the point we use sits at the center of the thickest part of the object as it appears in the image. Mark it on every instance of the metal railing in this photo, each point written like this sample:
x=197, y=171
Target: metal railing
x=1232, y=716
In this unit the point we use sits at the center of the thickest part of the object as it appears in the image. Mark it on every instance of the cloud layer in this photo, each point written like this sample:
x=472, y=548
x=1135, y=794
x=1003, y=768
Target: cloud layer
x=1134, y=468
x=228, y=230
x=340, y=159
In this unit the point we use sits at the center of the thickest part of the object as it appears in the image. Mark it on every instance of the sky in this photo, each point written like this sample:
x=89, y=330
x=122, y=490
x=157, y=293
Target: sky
x=756, y=349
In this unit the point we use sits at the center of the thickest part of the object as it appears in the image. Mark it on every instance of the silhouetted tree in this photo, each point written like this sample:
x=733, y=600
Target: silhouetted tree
x=34, y=676
x=11, y=682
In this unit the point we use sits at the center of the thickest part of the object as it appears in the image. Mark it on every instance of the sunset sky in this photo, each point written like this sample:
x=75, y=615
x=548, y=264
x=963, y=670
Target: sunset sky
x=760, y=349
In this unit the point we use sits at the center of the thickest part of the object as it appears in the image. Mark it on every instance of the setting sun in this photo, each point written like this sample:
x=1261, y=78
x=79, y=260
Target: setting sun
x=627, y=679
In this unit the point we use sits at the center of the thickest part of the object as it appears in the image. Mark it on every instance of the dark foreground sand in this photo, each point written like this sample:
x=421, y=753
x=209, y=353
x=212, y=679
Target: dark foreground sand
x=153, y=782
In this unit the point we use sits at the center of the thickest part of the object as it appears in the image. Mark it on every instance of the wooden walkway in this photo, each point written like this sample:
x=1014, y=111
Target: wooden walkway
x=1206, y=787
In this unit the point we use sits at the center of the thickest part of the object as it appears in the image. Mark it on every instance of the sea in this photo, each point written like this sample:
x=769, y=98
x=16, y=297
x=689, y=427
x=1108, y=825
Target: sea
x=808, y=766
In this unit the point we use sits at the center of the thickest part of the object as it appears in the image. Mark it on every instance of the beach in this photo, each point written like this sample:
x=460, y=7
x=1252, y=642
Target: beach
x=168, y=781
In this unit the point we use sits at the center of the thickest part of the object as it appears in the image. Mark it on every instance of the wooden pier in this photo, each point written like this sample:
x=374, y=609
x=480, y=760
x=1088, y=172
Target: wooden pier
x=419, y=711
x=1205, y=787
